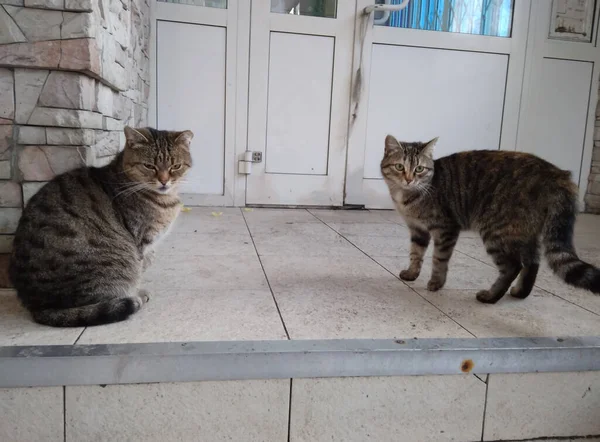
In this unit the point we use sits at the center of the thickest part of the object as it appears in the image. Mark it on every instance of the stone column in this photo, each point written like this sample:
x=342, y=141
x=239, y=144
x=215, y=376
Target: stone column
x=72, y=74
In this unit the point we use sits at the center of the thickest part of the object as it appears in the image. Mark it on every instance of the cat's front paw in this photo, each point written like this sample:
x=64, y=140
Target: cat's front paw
x=148, y=259
x=435, y=284
x=408, y=275
x=144, y=295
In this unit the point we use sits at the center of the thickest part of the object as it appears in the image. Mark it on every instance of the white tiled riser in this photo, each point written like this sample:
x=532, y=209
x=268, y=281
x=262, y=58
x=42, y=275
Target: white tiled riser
x=381, y=409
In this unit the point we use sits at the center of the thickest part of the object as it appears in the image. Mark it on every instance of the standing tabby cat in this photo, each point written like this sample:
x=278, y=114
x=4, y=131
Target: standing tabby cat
x=512, y=199
x=86, y=236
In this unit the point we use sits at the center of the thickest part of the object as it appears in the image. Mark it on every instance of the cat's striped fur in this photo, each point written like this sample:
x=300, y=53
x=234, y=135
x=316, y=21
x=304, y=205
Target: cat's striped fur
x=516, y=201
x=86, y=236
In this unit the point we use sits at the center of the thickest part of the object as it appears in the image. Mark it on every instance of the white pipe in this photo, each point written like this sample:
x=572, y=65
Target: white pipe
x=370, y=9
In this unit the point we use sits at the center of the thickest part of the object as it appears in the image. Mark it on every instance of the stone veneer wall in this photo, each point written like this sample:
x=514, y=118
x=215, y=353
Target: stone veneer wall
x=72, y=74
x=592, y=197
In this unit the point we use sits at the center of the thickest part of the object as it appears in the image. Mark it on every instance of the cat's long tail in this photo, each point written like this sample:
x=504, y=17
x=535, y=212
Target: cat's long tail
x=105, y=312
x=560, y=251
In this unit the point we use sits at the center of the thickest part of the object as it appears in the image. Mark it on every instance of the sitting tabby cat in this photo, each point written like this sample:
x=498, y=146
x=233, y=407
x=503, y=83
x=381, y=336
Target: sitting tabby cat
x=512, y=199
x=86, y=236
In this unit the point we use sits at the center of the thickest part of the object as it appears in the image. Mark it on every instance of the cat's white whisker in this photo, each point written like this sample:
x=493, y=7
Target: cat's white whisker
x=130, y=190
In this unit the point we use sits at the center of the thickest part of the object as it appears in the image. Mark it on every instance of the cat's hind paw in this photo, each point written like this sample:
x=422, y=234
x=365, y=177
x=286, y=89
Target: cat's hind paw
x=487, y=297
x=434, y=285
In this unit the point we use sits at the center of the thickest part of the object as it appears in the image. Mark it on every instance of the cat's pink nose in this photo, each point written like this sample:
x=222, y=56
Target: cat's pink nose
x=163, y=177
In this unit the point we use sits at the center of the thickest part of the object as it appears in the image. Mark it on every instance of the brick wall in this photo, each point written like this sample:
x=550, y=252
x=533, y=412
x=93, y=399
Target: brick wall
x=592, y=197
x=72, y=74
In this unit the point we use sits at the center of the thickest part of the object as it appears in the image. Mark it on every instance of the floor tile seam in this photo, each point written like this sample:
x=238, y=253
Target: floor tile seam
x=567, y=300
x=215, y=290
x=205, y=255
x=383, y=220
x=485, y=401
x=536, y=285
x=289, y=426
x=64, y=400
x=80, y=335
x=406, y=285
x=267, y=279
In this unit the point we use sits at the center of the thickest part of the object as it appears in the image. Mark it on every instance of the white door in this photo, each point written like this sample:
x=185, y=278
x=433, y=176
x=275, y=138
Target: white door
x=194, y=73
x=561, y=86
x=299, y=88
x=451, y=69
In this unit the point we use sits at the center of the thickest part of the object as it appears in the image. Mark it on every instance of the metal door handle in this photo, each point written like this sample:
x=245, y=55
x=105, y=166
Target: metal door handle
x=386, y=7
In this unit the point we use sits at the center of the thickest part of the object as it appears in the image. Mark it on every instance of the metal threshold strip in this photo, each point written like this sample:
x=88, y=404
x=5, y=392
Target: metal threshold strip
x=237, y=360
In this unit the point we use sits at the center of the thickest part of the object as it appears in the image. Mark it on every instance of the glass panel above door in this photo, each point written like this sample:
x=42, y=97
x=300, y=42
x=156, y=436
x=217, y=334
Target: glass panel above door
x=482, y=17
x=313, y=8
x=221, y=4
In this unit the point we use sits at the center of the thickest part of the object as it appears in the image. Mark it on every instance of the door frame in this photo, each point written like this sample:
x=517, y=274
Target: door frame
x=357, y=190
x=236, y=21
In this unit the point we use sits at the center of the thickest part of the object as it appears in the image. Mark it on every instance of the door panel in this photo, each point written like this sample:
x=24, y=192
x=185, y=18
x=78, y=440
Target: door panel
x=299, y=103
x=561, y=93
x=456, y=95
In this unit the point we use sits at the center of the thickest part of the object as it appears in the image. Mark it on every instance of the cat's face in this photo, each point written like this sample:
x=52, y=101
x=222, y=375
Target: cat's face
x=158, y=159
x=407, y=166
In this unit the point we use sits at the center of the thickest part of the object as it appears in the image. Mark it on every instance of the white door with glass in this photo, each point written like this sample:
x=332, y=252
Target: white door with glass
x=290, y=100
x=299, y=88
x=449, y=68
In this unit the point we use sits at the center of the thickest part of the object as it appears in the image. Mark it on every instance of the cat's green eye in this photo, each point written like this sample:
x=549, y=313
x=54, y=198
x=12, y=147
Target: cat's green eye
x=149, y=166
x=399, y=167
x=419, y=169
x=176, y=167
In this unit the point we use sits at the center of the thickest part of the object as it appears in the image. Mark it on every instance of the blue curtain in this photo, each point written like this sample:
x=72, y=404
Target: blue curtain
x=483, y=17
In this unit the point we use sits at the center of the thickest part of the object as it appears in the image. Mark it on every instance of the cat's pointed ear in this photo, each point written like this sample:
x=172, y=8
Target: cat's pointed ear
x=391, y=145
x=135, y=136
x=184, y=138
x=428, y=148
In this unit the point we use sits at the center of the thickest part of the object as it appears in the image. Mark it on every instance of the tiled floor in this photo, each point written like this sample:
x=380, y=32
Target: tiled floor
x=276, y=274
x=254, y=274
